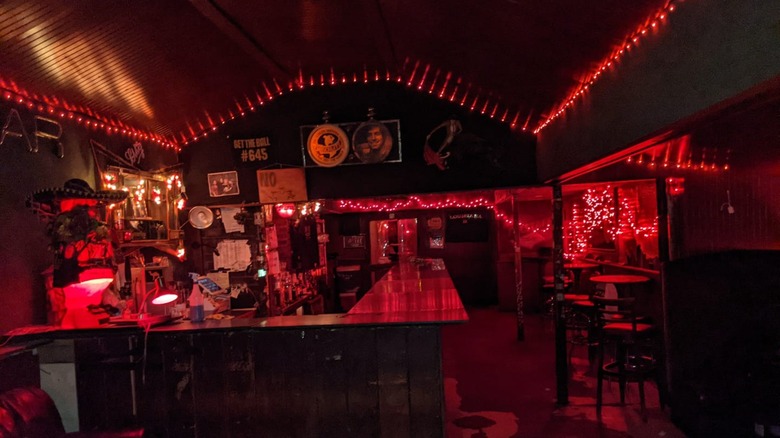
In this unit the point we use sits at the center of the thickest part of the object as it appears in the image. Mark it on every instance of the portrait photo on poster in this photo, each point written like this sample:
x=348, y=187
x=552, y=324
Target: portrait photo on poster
x=223, y=184
x=372, y=142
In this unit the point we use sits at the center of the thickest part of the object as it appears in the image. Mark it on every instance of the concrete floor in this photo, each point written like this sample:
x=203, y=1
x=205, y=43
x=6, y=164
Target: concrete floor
x=498, y=387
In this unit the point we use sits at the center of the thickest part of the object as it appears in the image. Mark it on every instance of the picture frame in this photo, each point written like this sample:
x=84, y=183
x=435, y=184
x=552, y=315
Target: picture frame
x=223, y=184
x=354, y=140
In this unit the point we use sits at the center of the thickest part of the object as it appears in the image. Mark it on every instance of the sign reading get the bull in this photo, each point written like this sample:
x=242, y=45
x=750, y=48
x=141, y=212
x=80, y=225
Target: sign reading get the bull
x=252, y=150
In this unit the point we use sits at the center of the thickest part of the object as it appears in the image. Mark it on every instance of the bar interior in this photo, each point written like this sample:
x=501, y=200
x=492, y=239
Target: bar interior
x=390, y=219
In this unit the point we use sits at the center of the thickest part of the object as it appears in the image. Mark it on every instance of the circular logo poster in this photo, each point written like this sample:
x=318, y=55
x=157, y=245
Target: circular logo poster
x=372, y=142
x=328, y=145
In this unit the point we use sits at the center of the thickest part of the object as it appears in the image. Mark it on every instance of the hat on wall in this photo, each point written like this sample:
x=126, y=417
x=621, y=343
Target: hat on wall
x=77, y=189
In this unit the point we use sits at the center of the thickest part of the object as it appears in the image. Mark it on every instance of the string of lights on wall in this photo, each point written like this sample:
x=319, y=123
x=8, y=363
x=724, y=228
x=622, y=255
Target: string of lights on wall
x=681, y=154
x=410, y=203
x=631, y=42
x=595, y=212
x=55, y=107
x=416, y=75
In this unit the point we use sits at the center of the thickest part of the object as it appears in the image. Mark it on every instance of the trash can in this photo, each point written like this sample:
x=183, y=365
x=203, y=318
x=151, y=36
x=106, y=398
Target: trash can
x=348, y=281
x=348, y=278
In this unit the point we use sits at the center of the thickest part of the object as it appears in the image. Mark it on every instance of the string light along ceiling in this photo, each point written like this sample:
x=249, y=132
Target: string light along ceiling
x=631, y=42
x=421, y=76
x=51, y=106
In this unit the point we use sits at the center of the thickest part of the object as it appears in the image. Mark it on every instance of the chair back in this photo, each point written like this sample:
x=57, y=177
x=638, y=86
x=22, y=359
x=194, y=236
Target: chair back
x=619, y=312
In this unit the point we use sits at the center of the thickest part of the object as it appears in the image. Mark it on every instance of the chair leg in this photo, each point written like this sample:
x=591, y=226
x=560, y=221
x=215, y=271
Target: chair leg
x=622, y=383
x=641, y=384
x=599, y=379
x=620, y=358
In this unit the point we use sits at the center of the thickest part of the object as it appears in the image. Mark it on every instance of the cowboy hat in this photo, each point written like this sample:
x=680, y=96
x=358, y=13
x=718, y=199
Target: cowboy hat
x=77, y=189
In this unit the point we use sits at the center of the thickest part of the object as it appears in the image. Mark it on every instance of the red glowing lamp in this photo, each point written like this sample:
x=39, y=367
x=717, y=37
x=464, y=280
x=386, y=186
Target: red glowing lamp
x=159, y=293
x=285, y=210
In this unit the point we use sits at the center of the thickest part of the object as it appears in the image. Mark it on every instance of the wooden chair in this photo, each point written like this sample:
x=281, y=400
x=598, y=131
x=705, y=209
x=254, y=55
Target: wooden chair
x=633, y=339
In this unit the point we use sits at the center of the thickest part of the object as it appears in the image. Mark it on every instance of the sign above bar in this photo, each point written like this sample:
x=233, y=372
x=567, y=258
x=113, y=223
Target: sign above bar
x=281, y=185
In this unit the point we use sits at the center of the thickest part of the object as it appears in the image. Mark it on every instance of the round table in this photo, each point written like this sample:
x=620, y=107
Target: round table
x=576, y=268
x=621, y=281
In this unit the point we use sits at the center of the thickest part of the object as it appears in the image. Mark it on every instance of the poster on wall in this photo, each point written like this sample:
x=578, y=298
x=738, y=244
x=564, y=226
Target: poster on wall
x=281, y=185
x=223, y=184
x=434, y=225
x=369, y=142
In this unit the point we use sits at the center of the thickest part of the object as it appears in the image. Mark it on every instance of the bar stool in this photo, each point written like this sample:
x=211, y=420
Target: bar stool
x=633, y=338
x=580, y=313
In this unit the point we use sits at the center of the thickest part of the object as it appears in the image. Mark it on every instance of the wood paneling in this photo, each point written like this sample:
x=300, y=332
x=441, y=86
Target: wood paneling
x=371, y=381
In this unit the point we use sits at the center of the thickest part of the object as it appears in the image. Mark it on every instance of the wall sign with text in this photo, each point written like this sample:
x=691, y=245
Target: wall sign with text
x=281, y=185
x=252, y=151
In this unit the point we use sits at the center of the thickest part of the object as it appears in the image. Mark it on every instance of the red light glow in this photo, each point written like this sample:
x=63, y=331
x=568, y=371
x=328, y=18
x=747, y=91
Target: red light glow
x=285, y=210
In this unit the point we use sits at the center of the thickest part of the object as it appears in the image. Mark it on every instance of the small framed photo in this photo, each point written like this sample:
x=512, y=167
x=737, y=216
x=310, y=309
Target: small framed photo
x=223, y=184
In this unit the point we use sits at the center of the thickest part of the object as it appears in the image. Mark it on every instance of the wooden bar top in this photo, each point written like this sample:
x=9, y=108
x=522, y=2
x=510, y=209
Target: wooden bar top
x=408, y=294
x=413, y=292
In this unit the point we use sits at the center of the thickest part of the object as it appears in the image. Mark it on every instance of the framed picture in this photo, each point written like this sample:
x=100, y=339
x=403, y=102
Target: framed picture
x=372, y=142
x=223, y=184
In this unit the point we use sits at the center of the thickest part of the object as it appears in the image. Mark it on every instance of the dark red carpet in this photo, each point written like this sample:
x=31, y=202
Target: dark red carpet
x=498, y=387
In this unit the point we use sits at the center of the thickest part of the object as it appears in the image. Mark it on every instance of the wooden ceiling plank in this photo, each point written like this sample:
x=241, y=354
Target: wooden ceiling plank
x=235, y=32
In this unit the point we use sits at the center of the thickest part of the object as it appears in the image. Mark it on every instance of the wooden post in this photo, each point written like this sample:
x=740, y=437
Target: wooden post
x=561, y=363
x=518, y=270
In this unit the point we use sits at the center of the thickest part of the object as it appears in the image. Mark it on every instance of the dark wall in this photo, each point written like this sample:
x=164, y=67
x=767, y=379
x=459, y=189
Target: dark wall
x=709, y=51
x=23, y=243
x=725, y=338
x=488, y=154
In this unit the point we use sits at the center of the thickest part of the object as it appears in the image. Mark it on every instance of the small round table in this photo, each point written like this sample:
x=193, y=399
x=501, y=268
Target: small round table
x=622, y=282
x=576, y=268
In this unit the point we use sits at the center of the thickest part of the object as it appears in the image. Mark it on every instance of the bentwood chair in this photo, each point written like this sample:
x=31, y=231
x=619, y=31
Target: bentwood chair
x=631, y=343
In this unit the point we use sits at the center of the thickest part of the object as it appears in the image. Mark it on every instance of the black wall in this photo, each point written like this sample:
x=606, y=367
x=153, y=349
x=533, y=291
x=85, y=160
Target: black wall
x=724, y=326
x=500, y=158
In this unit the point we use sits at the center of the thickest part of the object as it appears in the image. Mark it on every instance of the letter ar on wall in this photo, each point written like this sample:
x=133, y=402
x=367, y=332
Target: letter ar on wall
x=29, y=134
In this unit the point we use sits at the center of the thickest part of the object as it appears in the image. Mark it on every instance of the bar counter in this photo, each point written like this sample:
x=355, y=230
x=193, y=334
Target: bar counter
x=374, y=371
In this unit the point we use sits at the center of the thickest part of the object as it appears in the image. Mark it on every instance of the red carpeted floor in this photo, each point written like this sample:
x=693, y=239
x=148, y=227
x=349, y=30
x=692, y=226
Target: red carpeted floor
x=496, y=386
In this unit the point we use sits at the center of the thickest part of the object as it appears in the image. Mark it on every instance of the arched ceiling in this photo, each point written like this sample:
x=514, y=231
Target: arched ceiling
x=166, y=66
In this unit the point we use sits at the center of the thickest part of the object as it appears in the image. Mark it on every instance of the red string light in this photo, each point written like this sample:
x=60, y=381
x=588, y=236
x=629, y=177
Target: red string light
x=55, y=107
x=630, y=42
x=421, y=77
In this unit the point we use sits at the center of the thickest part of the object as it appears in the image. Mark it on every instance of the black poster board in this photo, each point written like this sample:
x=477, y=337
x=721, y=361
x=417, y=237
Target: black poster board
x=466, y=227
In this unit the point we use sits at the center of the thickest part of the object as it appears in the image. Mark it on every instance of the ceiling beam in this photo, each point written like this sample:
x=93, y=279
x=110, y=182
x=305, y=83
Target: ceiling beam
x=393, y=58
x=233, y=29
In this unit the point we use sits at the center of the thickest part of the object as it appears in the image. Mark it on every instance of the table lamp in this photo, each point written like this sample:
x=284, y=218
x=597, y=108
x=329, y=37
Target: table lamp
x=160, y=295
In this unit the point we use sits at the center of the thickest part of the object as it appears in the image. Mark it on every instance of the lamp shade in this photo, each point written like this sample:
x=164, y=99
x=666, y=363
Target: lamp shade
x=285, y=210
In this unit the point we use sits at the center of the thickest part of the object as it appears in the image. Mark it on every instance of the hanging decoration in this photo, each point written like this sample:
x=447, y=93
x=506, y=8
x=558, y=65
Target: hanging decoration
x=631, y=42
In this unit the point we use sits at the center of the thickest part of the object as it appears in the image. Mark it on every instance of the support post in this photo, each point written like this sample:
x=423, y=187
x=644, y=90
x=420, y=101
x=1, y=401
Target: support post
x=561, y=362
